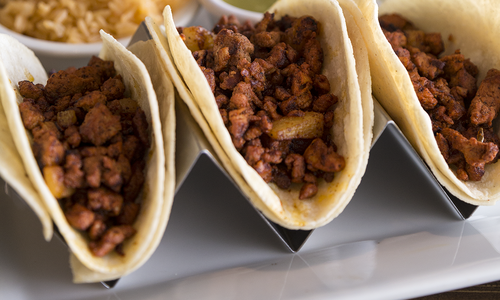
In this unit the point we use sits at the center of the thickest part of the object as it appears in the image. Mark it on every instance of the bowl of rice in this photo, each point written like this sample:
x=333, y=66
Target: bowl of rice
x=65, y=33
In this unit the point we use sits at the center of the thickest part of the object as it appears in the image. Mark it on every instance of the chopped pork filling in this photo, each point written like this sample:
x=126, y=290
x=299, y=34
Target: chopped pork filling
x=263, y=77
x=89, y=140
x=461, y=113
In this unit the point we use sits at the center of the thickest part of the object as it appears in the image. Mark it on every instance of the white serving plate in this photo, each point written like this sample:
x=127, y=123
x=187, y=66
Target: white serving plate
x=398, y=238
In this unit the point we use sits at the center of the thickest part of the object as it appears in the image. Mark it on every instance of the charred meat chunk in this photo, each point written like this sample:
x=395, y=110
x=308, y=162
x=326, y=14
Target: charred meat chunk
x=80, y=217
x=31, y=115
x=486, y=104
x=110, y=239
x=99, y=125
x=476, y=154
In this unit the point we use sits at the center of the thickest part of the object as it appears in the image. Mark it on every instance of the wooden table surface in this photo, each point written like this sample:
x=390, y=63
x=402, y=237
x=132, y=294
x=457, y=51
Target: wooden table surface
x=485, y=291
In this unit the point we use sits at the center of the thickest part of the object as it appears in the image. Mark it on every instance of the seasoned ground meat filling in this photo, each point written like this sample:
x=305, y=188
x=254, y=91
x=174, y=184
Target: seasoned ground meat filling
x=461, y=113
x=89, y=140
x=272, y=97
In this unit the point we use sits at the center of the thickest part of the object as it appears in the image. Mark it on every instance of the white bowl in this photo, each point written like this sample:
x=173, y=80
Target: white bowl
x=219, y=8
x=58, y=55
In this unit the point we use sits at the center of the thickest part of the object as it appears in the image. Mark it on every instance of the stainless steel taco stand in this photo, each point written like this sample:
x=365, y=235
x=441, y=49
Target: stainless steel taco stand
x=385, y=125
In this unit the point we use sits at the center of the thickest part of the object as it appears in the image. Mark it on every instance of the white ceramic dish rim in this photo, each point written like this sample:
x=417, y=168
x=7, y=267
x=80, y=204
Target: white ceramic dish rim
x=56, y=48
x=43, y=47
x=220, y=7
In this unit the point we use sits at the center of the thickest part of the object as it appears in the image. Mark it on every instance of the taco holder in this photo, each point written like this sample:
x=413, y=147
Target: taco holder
x=192, y=148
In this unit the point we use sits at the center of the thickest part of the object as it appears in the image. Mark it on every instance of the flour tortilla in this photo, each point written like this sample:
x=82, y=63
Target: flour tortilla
x=473, y=26
x=11, y=164
x=159, y=184
x=351, y=131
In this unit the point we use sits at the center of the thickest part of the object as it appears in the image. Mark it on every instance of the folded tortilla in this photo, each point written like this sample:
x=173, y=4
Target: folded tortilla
x=351, y=131
x=18, y=63
x=11, y=164
x=473, y=26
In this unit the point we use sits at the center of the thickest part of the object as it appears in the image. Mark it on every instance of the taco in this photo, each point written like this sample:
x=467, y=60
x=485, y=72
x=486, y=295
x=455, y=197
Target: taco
x=436, y=75
x=294, y=183
x=93, y=146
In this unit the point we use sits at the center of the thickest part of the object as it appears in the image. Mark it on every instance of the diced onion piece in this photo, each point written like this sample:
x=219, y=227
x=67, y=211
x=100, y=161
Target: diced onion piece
x=54, y=178
x=198, y=38
x=306, y=127
x=480, y=135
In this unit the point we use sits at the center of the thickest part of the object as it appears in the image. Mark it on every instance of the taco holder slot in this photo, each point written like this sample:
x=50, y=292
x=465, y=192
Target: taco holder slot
x=384, y=123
